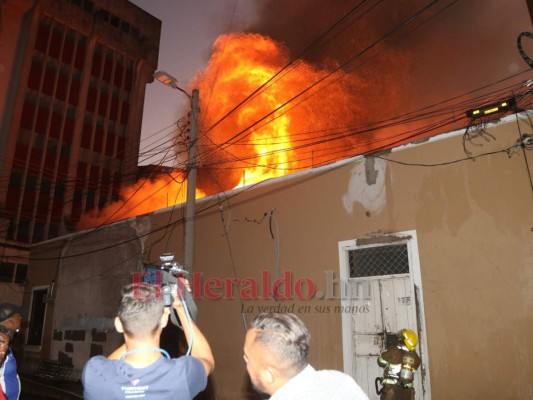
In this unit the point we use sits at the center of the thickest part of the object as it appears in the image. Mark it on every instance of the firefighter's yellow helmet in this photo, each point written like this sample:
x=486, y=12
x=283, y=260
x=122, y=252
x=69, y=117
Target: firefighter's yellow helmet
x=409, y=338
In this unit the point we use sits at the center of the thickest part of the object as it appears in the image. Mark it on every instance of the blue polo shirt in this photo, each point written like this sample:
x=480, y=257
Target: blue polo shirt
x=177, y=378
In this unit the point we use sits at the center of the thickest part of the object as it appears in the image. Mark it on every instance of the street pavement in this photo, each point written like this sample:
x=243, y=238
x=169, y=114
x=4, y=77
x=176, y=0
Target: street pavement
x=34, y=389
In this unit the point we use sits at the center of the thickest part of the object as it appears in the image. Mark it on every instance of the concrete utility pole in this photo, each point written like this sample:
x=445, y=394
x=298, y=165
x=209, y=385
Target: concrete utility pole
x=192, y=167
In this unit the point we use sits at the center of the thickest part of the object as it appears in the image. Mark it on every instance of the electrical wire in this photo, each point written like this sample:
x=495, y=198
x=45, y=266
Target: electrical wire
x=242, y=133
x=341, y=151
x=204, y=209
x=347, y=132
x=230, y=252
x=189, y=323
x=293, y=62
x=521, y=50
x=523, y=147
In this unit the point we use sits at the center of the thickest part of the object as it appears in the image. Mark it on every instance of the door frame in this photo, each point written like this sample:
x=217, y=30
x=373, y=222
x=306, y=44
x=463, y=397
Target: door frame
x=410, y=238
x=34, y=347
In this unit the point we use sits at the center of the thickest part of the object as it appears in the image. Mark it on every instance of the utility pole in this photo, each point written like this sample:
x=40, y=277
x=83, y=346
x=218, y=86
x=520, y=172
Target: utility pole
x=192, y=167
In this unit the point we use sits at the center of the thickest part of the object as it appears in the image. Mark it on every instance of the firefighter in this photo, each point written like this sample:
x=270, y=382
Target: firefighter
x=400, y=363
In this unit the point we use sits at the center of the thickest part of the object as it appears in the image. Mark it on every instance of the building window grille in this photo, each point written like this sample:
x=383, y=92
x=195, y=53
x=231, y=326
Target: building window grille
x=378, y=261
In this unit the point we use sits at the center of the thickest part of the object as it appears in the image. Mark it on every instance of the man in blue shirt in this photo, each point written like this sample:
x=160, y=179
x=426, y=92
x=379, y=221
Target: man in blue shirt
x=137, y=369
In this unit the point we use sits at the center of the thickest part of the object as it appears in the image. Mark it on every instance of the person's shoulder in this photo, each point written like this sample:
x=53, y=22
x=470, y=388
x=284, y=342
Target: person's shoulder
x=334, y=375
x=98, y=360
x=340, y=385
x=95, y=364
x=191, y=370
x=190, y=363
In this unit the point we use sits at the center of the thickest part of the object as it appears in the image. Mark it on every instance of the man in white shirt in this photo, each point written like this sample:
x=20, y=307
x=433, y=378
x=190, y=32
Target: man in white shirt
x=276, y=350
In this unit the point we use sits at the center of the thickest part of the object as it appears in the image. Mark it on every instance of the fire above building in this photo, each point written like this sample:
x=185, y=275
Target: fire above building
x=262, y=116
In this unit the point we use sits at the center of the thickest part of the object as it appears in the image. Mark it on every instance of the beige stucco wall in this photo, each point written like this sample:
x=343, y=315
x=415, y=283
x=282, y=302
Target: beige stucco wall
x=473, y=221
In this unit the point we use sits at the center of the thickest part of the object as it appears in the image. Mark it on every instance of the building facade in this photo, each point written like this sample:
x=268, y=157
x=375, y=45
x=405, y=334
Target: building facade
x=73, y=76
x=422, y=237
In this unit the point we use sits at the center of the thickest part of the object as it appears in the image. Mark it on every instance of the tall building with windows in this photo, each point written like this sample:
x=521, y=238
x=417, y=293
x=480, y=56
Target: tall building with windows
x=73, y=75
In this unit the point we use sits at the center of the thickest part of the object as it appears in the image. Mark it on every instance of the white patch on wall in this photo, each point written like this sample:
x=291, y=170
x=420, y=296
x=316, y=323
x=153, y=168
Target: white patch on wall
x=367, y=186
x=142, y=226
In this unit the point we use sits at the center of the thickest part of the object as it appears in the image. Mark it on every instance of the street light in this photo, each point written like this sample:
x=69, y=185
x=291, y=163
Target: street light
x=188, y=236
x=168, y=80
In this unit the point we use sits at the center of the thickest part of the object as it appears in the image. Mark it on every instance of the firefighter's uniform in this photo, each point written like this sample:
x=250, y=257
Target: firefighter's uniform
x=400, y=363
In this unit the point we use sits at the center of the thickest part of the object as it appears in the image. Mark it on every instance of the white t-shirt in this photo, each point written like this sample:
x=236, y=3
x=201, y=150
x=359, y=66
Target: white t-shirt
x=311, y=384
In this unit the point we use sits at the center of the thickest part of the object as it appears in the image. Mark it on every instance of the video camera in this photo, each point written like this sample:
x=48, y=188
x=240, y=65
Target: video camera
x=170, y=272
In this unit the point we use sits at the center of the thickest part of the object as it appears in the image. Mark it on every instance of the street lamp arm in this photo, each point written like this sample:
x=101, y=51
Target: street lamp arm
x=183, y=91
x=166, y=79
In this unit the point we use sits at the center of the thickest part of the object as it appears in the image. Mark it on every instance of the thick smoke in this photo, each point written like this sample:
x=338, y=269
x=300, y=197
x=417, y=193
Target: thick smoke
x=465, y=46
x=393, y=60
x=468, y=44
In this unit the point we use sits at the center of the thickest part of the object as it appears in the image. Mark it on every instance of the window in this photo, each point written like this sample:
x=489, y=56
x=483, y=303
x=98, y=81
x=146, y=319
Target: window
x=88, y=5
x=52, y=146
x=80, y=53
x=15, y=179
x=56, y=41
x=21, y=273
x=34, y=80
x=115, y=21
x=49, y=79
x=74, y=93
x=6, y=271
x=65, y=150
x=23, y=230
x=103, y=15
x=125, y=27
x=41, y=42
x=28, y=111
x=11, y=272
x=378, y=261
x=68, y=48
x=62, y=86
x=53, y=230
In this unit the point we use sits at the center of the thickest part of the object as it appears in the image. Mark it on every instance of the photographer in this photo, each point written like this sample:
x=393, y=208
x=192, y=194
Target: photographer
x=138, y=368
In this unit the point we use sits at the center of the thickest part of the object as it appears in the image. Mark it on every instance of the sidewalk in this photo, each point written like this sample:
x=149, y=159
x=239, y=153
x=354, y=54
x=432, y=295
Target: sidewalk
x=34, y=389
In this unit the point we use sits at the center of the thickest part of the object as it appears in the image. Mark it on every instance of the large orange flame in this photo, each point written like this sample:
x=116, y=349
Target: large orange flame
x=143, y=197
x=295, y=121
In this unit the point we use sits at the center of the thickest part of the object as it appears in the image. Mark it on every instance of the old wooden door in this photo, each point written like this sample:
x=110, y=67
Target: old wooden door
x=380, y=302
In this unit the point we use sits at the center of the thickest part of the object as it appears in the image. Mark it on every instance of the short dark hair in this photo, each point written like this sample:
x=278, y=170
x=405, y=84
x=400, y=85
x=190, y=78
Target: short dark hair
x=285, y=336
x=140, y=310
